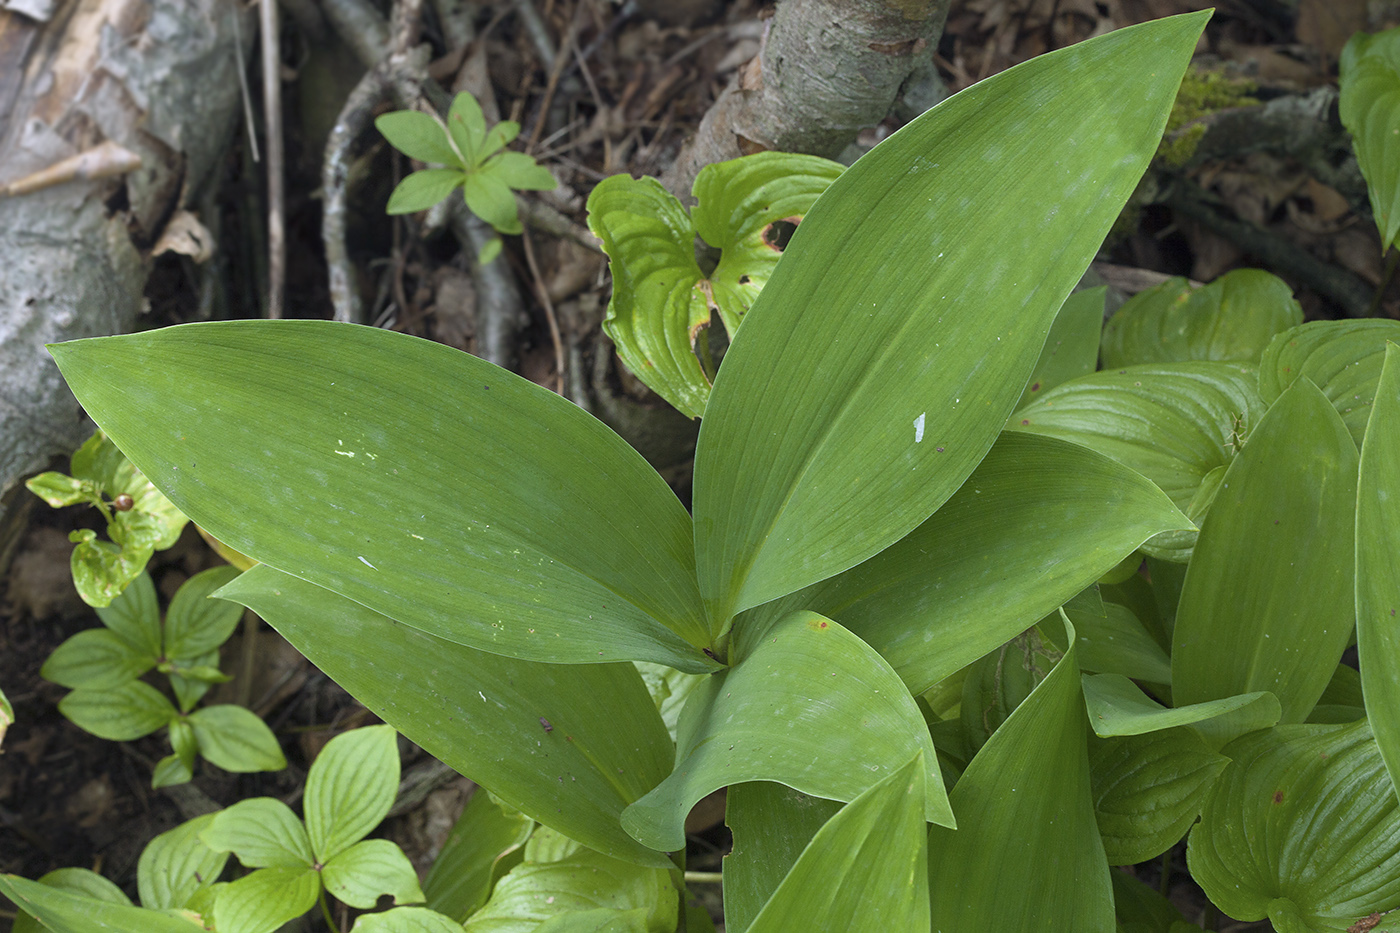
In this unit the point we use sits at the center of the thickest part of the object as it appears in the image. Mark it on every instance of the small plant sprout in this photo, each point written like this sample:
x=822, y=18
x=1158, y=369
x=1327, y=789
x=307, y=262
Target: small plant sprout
x=471, y=158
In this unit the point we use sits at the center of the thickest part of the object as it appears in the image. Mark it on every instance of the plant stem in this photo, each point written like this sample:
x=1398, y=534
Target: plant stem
x=704, y=877
x=1391, y=260
x=1164, y=886
x=326, y=911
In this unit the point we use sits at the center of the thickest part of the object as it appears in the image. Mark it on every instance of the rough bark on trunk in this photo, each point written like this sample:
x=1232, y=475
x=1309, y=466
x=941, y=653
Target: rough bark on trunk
x=160, y=78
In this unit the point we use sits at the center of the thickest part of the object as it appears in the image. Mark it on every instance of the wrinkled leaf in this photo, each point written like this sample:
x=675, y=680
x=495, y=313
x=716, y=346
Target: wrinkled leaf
x=102, y=570
x=1378, y=564
x=262, y=832
x=1301, y=827
x=1370, y=110
x=1230, y=320
x=1072, y=347
x=177, y=864
x=59, y=489
x=120, y=714
x=1037, y=522
x=847, y=723
x=1000, y=681
x=361, y=873
x=97, y=659
x=853, y=403
x=865, y=870
x=235, y=739
x=1029, y=784
x=460, y=878
x=350, y=787
x=369, y=427
x=772, y=825
x=480, y=713
x=1342, y=358
x=1268, y=601
x=1148, y=790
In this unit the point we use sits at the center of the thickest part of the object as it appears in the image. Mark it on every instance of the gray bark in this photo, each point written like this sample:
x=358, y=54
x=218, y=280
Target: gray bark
x=158, y=77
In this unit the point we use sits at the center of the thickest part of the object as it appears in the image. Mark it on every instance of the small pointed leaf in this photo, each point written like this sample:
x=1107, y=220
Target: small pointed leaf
x=96, y=659
x=520, y=172
x=120, y=714
x=197, y=624
x=1118, y=707
x=262, y=832
x=264, y=900
x=417, y=135
x=350, y=788
x=235, y=739
x=491, y=199
x=177, y=864
x=135, y=616
x=467, y=125
x=423, y=189
x=406, y=920
x=460, y=878
x=370, y=868
x=66, y=911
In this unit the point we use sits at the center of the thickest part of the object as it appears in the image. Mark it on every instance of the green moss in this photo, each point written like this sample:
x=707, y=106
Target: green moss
x=1202, y=93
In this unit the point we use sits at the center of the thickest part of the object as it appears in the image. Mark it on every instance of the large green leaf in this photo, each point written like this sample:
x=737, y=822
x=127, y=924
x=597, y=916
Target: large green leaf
x=1230, y=320
x=853, y=402
x=808, y=705
x=486, y=715
x=79, y=881
x=1025, y=812
x=1378, y=564
x=1175, y=423
x=420, y=481
x=1037, y=522
x=865, y=870
x=1301, y=827
x=1370, y=110
x=1072, y=347
x=1342, y=358
x=1148, y=790
x=1117, y=707
x=459, y=880
x=1268, y=601
x=65, y=911
x=772, y=825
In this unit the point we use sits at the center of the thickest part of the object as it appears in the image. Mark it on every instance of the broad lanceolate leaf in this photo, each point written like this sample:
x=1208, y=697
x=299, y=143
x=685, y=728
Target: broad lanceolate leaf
x=740, y=206
x=1025, y=811
x=1268, y=601
x=415, y=479
x=866, y=870
x=772, y=825
x=197, y=624
x=466, y=124
x=1037, y=522
x=656, y=311
x=121, y=714
x=64, y=911
x=135, y=616
x=520, y=172
x=1378, y=564
x=1302, y=827
x=1072, y=347
x=368, y=869
x=853, y=402
x=97, y=659
x=263, y=832
x=845, y=723
x=484, y=714
x=1174, y=423
x=262, y=901
x=1370, y=110
x=1148, y=790
x=1342, y=358
x=235, y=739
x=423, y=189
x=1117, y=707
x=460, y=878
x=1230, y=320
x=491, y=199
x=417, y=135
x=534, y=892
x=176, y=864
x=350, y=788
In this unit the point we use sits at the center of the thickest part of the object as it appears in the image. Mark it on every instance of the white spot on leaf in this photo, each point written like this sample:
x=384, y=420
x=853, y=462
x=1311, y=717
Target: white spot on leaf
x=919, y=428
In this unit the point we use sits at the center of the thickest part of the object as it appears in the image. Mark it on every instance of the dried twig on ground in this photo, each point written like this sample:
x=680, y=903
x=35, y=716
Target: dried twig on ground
x=272, y=126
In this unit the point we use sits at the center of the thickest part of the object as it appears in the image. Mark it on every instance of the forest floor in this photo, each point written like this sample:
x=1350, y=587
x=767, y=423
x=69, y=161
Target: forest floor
x=636, y=87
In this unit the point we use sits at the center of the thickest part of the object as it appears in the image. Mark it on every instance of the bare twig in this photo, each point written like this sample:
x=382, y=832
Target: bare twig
x=548, y=305
x=272, y=126
x=105, y=160
x=500, y=306
x=360, y=26
x=243, y=88
x=556, y=69
x=546, y=219
x=354, y=119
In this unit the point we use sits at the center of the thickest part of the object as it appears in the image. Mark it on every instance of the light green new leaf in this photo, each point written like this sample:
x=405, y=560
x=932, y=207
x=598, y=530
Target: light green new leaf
x=370, y=868
x=171, y=770
x=1370, y=110
x=350, y=788
x=417, y=135
x=657, y=307
x=7, y=715
x=498, y=137
x=481, y=713
x=265, y=899
x=534, y=892
x=1025, y=811
x=100, y=462
x=772, y=825
x=236, y=739
x=60, y=490
x=263, y=832
x=1175, y=423
x=1378, y=564
x=846, y=723
x=102, y=570
x=519, y=171
x=1342, y=358
x=466, y=123
x=1268, y=602
x=1117, y=707
x=135, y=616
x=120, y=714
x=1037, y=522
x=460, y=878
x=865, y=871
x=1301, y=827
x=853, y=402
x=1072, y=348
x=406, y=920
x=197, y=624
x=1230, y=320
x=177, y=864
x=739, y=205
x=492, y=200
x=1148, y=790
x=97, y=659
x=423, y=189
x=63, y=910
x=391, y=470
